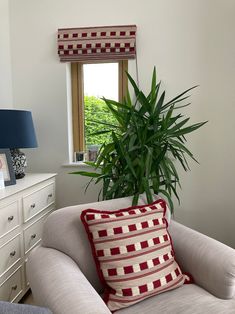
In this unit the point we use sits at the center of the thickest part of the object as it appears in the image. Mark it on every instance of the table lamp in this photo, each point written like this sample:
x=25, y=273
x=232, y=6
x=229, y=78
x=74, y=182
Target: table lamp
x=17, y=131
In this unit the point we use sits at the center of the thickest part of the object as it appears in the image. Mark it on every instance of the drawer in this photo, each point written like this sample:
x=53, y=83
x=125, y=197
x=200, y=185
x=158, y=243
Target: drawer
x=10, y=254
x=9, y=218
x=12, y=286
x=38, y=201
x=32, y=234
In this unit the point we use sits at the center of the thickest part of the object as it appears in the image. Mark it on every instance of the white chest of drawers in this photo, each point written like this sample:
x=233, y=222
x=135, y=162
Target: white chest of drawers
x=23, y=209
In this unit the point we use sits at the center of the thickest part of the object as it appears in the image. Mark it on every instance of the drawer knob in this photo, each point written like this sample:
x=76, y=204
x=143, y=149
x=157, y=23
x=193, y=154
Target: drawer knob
x=10, y=218
x=33, y=236
x=33, y=205
x=50, y=195
x=13, y=253
x=14, y=287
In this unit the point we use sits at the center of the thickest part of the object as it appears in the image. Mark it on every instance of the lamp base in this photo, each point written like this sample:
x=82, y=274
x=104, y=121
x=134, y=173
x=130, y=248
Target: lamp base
x=19, y=163
x=19, y=176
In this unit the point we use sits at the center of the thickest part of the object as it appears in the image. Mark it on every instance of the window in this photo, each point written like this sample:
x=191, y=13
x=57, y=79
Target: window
x=89, y=45
x=90, y=82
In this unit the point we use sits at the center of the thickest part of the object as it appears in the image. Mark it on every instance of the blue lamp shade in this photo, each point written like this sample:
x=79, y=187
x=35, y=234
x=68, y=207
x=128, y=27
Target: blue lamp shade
x=16, y=129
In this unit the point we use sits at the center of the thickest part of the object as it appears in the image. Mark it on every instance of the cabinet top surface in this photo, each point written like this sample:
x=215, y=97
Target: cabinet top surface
x=28, y=181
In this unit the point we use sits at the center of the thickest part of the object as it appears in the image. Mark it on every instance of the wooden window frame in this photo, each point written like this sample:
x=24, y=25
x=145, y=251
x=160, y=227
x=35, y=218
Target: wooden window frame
x=77, y=82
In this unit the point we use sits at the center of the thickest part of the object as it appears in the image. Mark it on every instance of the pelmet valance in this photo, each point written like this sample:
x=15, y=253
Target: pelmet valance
x=97, y=43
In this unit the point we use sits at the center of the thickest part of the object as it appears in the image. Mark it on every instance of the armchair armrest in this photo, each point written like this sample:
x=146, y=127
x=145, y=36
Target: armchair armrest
x=58, y=283
x=211, y=263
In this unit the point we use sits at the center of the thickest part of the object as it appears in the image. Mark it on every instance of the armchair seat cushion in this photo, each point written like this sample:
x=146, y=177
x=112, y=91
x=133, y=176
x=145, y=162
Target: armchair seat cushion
x=188, y=299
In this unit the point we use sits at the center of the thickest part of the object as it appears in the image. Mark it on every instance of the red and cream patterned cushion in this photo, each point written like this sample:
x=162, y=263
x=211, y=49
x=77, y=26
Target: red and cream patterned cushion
x=133, y=253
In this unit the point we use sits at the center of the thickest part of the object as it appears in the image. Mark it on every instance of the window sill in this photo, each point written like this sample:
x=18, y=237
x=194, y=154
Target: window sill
x=75, y=164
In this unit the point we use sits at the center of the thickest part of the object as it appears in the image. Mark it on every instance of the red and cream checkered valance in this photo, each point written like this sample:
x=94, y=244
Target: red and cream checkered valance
x=97, y=43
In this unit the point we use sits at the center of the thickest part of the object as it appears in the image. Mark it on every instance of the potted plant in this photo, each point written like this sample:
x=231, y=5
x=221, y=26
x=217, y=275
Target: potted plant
x=147, y=138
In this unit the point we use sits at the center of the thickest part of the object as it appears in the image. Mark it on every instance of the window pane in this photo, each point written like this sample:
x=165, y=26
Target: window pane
x=100, y=80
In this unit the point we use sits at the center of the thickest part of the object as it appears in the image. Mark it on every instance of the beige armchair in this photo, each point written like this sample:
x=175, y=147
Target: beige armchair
x=63, y=275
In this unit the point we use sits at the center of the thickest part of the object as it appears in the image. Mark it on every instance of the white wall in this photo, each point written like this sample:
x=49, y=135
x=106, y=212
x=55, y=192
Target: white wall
x=191, y=42
x=5, y=57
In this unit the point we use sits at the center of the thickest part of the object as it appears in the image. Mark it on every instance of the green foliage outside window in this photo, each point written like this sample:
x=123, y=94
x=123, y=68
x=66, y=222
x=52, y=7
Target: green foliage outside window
x=96, y=110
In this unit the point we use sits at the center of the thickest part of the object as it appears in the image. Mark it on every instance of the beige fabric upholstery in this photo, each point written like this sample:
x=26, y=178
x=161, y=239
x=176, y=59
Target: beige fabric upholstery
x=188, y=299
x=57, y=281
x=211, y=263
x=58, y=271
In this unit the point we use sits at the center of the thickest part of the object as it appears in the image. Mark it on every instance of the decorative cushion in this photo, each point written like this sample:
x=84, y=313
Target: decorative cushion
x=133, y=253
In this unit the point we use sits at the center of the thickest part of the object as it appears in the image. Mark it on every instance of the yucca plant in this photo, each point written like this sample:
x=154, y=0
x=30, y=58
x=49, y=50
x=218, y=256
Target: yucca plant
x=147, y=139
